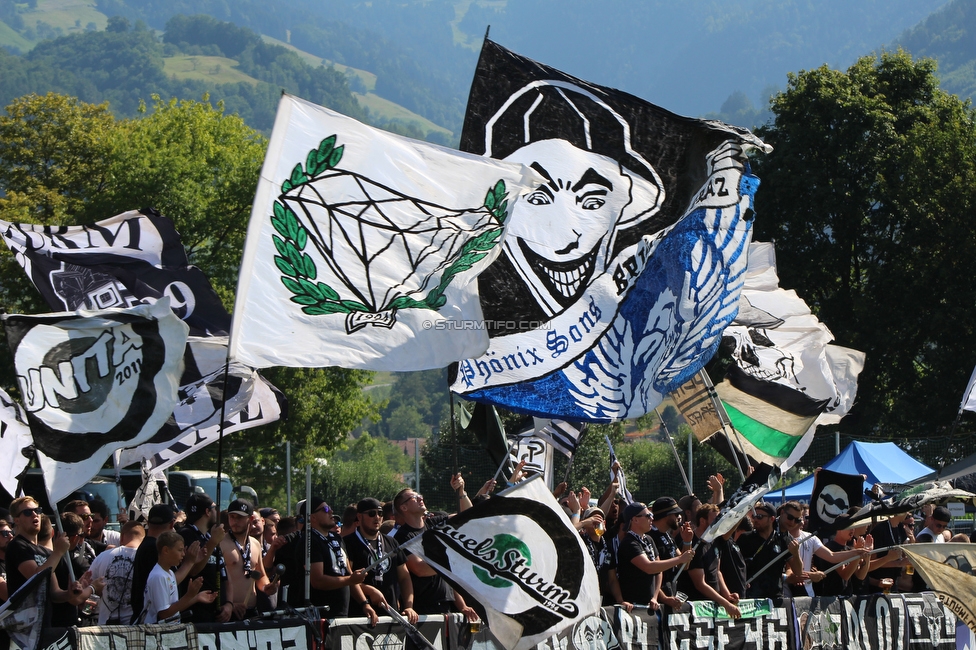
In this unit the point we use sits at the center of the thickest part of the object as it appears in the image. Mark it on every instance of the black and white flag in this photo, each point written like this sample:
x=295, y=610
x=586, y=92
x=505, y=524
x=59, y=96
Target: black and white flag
x=520, y=559
x=16, y=443
x=563, y=436
x=132, y=258
x=833, y=494
x=250, y=402
x=93, y=382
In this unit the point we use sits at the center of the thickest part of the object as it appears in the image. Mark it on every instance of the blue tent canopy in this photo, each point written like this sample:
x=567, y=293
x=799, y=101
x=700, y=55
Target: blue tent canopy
x=881, y=462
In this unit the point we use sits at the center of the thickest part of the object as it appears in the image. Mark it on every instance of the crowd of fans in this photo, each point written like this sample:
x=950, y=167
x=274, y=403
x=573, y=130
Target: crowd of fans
x=200, y=565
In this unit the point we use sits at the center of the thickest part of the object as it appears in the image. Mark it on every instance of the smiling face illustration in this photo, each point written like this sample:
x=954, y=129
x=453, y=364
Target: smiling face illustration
x=831, y=503
x=560, y=232
x=591, y=185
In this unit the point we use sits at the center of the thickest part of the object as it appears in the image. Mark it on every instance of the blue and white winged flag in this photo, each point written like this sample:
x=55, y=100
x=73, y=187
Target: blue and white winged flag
x=623, y=264
x=363, y=247
x=520, y=560
x=93, y=382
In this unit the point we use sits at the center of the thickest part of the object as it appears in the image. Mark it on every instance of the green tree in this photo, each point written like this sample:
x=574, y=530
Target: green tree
x=869, y=194
x=63, y=161
x=197, y=166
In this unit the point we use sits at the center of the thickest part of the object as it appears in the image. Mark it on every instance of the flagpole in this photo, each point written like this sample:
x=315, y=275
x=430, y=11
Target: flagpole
x=220, y=435
x=450, y=396
x=57, y=519
x=723, y=417
x=507, y=458
x=677, y=458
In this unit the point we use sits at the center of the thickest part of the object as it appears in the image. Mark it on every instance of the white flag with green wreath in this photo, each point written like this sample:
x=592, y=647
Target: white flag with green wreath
x=363, y=247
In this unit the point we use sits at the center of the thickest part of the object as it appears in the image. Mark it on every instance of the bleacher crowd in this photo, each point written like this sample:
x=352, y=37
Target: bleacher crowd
x=200, y=565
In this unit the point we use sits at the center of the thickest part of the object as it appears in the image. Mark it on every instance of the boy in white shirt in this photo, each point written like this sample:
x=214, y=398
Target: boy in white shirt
x=162, y=599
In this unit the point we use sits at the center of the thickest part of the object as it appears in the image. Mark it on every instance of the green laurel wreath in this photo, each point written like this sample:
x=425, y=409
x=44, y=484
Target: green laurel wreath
x=298, y=269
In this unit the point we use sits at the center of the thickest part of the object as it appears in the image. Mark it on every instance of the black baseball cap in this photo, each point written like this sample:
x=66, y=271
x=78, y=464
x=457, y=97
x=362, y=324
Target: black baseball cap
x=369, y=503
x=240, y=506
x=316, y=504
x=197, y=505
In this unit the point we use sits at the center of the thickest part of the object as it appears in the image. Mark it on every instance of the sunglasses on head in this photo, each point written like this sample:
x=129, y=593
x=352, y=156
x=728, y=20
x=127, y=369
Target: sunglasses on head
x=372, y=513
x=31, y=512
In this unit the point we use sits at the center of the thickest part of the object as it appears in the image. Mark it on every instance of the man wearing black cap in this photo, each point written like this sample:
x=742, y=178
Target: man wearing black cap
x=670, y=538
x=638, y=567
x=388, y=583
x=242, y=558
x=162, y=517
x=935, y=525
x=202, y=527
x=333, y=580
x=760, y=547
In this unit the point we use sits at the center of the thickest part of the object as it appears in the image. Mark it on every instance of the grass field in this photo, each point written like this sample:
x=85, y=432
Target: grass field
x=11, y=38
x=390, y=111
x=368, y=78
x=70, y=15
x=213, y=69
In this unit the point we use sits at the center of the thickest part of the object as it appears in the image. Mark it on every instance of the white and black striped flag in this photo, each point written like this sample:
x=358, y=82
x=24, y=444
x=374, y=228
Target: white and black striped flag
x=562, y=435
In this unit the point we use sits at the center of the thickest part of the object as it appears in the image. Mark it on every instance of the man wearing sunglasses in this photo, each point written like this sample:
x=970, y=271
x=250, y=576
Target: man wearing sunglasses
x=761, y=546
x=334, y=580
x=82, y=553
x=25, y=557
x=387, y=584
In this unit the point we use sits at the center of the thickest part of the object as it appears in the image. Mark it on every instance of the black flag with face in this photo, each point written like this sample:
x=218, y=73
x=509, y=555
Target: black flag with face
x=833, y=494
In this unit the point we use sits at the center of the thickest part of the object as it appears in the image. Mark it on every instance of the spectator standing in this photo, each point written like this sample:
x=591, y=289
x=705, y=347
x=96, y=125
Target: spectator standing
x=114, y=566
x=388, y=583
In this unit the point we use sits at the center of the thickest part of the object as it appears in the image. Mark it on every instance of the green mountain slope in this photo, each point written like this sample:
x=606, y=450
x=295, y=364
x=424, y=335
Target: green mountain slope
x=949, y=37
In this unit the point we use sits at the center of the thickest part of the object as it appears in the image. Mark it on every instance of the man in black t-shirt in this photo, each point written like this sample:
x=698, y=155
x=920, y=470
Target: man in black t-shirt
x=431, y=594
x=202, y=527
x=670, y=537
x=388, y=583
x=333, y=581
x=702, y=580
x=638, y=567
x=764, y=544
x=885, y=534
x=25, y=558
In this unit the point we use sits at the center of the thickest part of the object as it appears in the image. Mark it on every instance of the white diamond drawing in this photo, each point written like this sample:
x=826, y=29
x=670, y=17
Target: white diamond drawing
x=378, y=243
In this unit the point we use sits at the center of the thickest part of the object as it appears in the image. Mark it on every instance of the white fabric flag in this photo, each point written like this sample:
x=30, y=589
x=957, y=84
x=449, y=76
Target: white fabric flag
x=363, y=247
x=969, y=397
x=15, y=443
x=94, y=381
x=518, y=555
x=780, y=347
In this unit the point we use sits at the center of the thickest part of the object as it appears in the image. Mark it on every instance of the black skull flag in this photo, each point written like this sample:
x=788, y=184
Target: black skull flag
x=621, y=266
x=132, y=258
x=92, y=382
x=833, y=494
